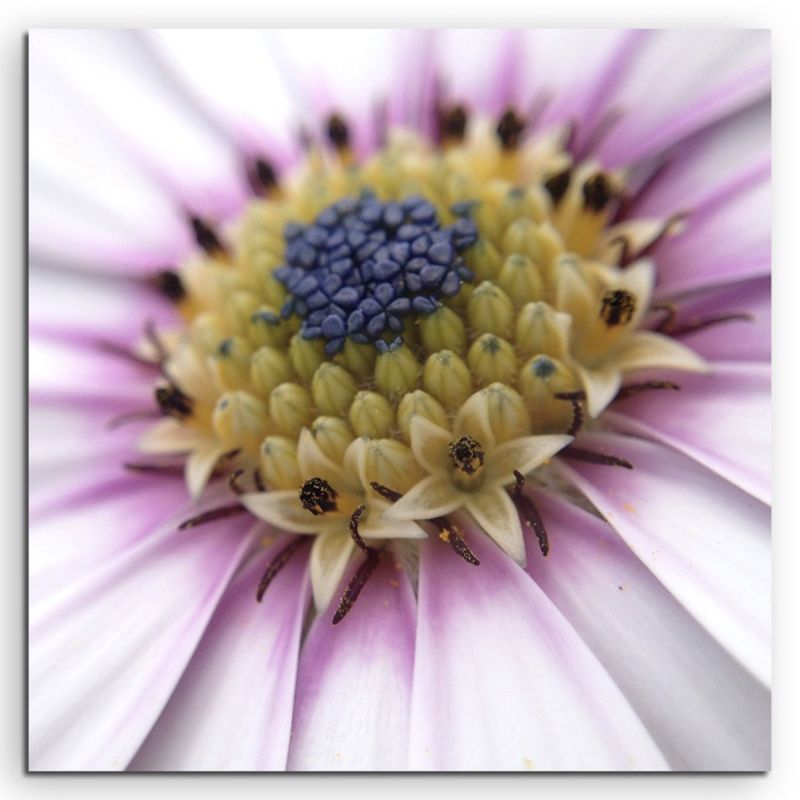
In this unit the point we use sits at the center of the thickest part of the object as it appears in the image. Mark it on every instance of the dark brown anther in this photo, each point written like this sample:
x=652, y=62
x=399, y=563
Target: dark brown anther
x=213, y=514
x=357, y=583
x=557, y=185
x=452, y=123
x=206, y=237
x=144, y=468
x=466, y=454
x=384, y=491
x=266, y=175
x=592, y=457
x=318, y=496
x=173, y=402
x=646, y=386
x=576, y=398
x=258, y=480
x=597, y=193
x=696, y=324
x=509, y=129
x=451, y=534
x=169, y=283
x=338, y=132
x=529, y=513
x=354, y=528
x=234, y=481
x=277, y=564
x=617, y=308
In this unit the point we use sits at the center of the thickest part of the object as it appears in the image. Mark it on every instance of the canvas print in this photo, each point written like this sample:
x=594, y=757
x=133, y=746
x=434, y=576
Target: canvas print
x=399, y=400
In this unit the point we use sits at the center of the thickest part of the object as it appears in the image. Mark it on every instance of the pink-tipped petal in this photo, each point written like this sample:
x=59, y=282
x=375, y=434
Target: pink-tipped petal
x=354, y=684
x=232, y=709
x=721, y=420
x=702, y=708
x=503, y=682
x=703, y=538
x=106, y=652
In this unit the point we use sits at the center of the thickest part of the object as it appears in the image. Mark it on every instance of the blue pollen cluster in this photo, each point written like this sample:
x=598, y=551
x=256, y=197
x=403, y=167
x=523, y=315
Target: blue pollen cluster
x=364, y=265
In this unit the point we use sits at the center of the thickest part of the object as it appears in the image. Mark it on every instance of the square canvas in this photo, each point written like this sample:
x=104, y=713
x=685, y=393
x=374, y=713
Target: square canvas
x=399, y=400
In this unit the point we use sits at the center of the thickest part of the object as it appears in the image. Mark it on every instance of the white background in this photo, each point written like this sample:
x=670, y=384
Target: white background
x=784, y=781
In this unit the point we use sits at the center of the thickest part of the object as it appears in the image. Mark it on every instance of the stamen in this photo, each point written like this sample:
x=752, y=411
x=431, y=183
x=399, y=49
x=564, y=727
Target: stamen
x=384, y=491
x=124, y=352
x=558, y=184
x=213, y=514
x=277, y=564
x=529, y=513
x=206, y=237
x=131, y=416
x=452, y=123
x=158, y=469
x=155, y=340
x=694, y=324
x=590, y=456
x=466, y=455
x=597, y=193
x=452, y=535
x=635, y=388
x=357, y=583
x=169, y=283
x=617, y=308
x=354, y=528
x=628, y=256
x=318, y=496
x=576, y=398
x=338, y=132
x=258, y=480
x=509, y=129
x=173, y=402
x=234, y=481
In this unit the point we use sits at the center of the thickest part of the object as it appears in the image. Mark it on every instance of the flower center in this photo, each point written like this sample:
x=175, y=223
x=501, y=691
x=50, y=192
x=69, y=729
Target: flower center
x=467, y=455
x=364, y=265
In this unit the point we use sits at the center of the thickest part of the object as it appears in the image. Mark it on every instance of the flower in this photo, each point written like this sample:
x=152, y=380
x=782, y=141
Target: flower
x=540, y=290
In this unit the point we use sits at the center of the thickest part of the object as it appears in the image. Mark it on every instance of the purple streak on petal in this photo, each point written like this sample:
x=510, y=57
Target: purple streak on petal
x=232, y=709
x=704, y=711
x=721, y=420
x=703, y=538
x=354, y=684
x=107, y=651
x=503, y=682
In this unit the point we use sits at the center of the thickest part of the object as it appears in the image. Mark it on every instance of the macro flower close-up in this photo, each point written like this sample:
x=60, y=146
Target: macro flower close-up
x=399, y=400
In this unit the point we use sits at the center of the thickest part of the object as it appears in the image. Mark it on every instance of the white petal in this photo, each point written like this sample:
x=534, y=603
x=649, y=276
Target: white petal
x=430, y=444
x=232, y=709
x=705, y=540
x=601, y=385
x=502, y=682
x=432, y=497
x=284, y=510
x=170, y=436
x=473, y=419
x=199, y=467
x=354, y=684
x=375, y=526
x=646, y=350
x=523, y=455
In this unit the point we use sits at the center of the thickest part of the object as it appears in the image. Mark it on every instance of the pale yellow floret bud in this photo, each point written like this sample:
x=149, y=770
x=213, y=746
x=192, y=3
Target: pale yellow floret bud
x=521, y=280
x=230, y=363
x=333, y=389
x=539, y=332
x=508, y=414
x=540, y=380
x=268, y=368
x=371, y=415
x=443, y=330
x=267, y=327
x=484, y=260
x=290, y=408
x=278, y=463
x=421, y=403
x=396, y=372
x=274, y=292
x=238, y=309
x=392, y=464
x=490, y=311
x=358, y=359
x=448, y=379
x=306, y=355
x=492, y=359
x=240, y=420
x=333, y=435
x=208, y=330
